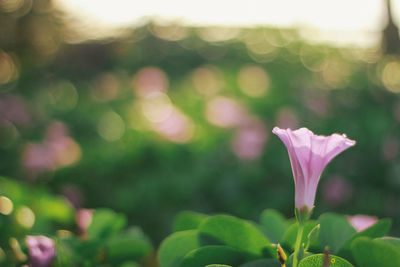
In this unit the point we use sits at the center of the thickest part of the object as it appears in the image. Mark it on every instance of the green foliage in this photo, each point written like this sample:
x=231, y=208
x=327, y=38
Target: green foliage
x=188, y=220
x=107, y=242
x=379, y=229
x=198, y=240
x=54, y=208
x=262, y=263
x=335, y=231
x=392, y=240
x=147, y=177
x=118, y=248
x=127, y=246
x=289, y=238
x=228, y=240
x=231, y=231
x=219, y=239
x=212, y=255
x=105, y=223
x=176, y=246
x=130, y=264
x=318, y=259
x=274, y=224
x=332, y=89
x=47, y=208
x=368, y=253
x=313, y=235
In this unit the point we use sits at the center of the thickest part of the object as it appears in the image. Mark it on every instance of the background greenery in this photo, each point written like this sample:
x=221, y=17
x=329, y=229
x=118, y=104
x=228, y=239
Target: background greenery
x=73, y=121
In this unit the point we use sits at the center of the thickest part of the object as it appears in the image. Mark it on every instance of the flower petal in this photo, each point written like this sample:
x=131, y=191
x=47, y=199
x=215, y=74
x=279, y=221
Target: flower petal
x=309, y=154
x=41, y=251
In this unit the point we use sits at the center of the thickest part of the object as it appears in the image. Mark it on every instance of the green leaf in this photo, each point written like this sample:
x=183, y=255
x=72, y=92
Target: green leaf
x=55, y=208
x=176, y=246
x=270, y=252
x=391, y=240
x=289, y=238
x=274, y=224
x=65, y=248
x=335, y=231
x=262, y=263
x=313, y=235
x=379, y=229
x=212, y=255
x=130, y=264
x=372, y=253
x=105, y=223
x=233, y=232
x=188, y=220
x=127, y=247
x=318, y=259
x=218, y=265
x=74, y=251
x=12, y=190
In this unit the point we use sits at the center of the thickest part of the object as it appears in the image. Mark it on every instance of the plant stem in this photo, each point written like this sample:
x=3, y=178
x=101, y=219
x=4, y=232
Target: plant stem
x=298, y=243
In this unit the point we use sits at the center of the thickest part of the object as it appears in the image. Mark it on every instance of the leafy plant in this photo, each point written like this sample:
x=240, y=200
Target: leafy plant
x=227, y=240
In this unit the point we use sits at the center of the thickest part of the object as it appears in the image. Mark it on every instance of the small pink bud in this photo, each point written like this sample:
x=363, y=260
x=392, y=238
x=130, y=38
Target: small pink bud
x=41, y=251
x=362, y=222
x=83, y=220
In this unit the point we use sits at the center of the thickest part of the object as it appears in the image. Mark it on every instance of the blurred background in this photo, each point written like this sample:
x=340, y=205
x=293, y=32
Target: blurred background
x=154, y=107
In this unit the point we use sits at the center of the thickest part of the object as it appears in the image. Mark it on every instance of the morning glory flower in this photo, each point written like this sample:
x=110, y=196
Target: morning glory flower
x=309, y=154
x=41, y=251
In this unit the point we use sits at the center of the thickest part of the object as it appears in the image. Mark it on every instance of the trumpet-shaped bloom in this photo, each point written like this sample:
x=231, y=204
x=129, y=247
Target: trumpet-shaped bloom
x=309, y=154
x=41, y=251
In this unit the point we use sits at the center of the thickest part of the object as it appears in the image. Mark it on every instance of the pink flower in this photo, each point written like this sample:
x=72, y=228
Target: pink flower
x=41, y=251
x=249, y=140
x=362, y=222
x=309, y=154
x=83, y=219
x=336, y=190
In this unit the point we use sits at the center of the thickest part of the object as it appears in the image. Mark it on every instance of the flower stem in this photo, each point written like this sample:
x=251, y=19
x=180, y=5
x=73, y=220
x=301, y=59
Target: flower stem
x=297, y=245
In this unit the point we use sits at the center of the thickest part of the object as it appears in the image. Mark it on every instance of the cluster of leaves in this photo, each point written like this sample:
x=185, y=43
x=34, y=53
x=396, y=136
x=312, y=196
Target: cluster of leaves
x=107, y=243
x=31, y=211
x=28, y=211
x=200, y=240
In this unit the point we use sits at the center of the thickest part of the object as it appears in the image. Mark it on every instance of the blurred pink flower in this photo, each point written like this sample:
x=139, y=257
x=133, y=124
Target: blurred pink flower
x=41, y=251
x=56, y=151
x=13, y=108
x=287, y=118
x=83, y=219
x=336, y=190
x=36, y=158
x=105, y=87
x=149, y=80
x=55, y=131
x=177, y=127
x=249, y=140
x=362, y=222
x=309, y=154
x=390, y=148
x=225, y=112
x=73, y=195
x=316, y=101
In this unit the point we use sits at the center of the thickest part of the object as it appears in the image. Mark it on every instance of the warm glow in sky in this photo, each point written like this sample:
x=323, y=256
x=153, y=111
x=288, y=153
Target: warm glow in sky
x=356, y=20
